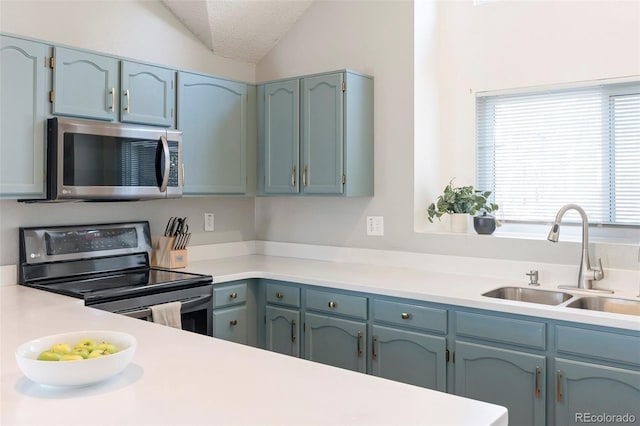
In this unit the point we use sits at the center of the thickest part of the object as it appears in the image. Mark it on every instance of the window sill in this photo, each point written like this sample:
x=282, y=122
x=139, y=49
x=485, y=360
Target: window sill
x=569, y=232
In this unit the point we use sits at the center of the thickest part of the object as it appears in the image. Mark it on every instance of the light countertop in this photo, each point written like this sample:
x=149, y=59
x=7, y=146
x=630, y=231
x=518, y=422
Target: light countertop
x=438, y=287
x=182, y=378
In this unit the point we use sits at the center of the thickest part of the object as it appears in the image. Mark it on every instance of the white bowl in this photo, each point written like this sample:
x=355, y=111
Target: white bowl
x=75, y=373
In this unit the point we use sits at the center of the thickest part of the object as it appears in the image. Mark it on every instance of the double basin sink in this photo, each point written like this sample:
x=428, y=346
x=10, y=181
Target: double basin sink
x=550, y=297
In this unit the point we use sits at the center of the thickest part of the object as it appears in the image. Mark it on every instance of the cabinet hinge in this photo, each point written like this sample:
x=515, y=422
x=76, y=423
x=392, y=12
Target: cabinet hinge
x=344, y=179
x=344, y=86
x=51, y=96
x=52, y=62
x=446, y=355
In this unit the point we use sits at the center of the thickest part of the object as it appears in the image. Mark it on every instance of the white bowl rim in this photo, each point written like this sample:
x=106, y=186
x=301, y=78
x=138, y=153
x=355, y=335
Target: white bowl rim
x=26, y=348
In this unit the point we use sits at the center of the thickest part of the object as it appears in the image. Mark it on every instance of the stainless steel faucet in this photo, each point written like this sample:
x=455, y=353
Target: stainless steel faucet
x=586, y=274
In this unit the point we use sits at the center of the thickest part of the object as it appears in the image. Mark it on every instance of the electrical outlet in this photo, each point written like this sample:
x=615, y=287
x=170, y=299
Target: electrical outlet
x=375, y=226
x=208, y=222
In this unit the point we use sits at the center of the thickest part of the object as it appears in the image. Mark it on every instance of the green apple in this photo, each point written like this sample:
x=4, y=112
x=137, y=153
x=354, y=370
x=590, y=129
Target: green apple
x=109, y=347
x=49, y=356
x=71, y=357
x=61, y=348
x=83, y=352
x=97, y=353
x=87, y=344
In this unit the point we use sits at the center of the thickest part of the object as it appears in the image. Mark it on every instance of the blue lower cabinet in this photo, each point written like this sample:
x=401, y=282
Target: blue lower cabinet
x=409, y=357
x=283, y=330
x=336, y=341
x=231, y=324
x=513, y=379
x=595, y=394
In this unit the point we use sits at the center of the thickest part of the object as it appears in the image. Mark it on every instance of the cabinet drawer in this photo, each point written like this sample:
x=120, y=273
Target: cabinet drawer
x=229, y=295
x=498, y=329
x=283, y=295
x=407, y=315
x=598, y=344
x=341, y=304
x=231, y=324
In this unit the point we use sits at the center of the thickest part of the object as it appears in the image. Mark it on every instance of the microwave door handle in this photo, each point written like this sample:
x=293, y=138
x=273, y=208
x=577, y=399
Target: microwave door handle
x=167, y=164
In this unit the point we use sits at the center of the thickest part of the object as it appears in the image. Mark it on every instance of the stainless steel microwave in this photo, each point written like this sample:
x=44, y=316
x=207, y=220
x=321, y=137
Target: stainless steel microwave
x=91, y=160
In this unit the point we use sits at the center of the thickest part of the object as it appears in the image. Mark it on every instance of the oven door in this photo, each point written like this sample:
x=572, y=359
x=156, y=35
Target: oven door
x=196, y=312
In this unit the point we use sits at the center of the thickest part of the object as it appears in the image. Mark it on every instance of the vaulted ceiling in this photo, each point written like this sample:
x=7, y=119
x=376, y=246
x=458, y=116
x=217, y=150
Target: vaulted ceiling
x=244, y=30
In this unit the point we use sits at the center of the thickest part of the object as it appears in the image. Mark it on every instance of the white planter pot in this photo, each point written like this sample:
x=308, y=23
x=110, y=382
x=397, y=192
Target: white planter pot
x=459, y=222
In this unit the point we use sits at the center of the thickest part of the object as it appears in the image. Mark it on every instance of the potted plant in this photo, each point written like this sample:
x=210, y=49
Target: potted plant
x=460, y=202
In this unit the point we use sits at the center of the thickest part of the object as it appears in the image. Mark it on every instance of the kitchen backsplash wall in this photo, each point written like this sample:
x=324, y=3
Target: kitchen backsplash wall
x=234, y=218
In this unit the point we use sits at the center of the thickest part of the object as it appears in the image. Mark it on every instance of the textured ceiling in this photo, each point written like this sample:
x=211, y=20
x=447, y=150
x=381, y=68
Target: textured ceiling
x=244, y=30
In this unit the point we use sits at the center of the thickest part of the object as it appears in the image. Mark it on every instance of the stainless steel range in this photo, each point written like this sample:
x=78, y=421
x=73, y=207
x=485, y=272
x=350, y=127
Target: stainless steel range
x=107, y=265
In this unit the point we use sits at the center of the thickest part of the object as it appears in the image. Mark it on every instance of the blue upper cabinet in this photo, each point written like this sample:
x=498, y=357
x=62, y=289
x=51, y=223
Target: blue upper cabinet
x=88, y=85
x=23, y=89
x=322, y=134
x=281, y=137
x=212, y=115
x=85, y=85
x=320, y=141
x=147, y=94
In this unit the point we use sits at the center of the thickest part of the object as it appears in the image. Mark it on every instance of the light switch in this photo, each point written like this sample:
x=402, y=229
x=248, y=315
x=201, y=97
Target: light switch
x=375, y=226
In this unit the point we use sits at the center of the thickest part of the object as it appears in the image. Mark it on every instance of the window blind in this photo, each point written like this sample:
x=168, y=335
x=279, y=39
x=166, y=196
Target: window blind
x=540, y=150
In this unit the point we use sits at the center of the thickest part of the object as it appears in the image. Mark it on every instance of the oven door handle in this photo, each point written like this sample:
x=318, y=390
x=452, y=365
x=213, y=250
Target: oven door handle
x=146, y=312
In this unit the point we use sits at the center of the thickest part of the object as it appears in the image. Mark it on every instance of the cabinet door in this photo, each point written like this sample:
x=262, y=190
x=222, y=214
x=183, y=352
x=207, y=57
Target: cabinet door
x=23, y=88
x=147, y=94
x=84, y=84
x=409, y=357
x=283, y=331
x=212, y=116
x=336, y=341
x=281, y=137
x=322, y=134
x=231, y=324
x=585, y=391
x=509, y=378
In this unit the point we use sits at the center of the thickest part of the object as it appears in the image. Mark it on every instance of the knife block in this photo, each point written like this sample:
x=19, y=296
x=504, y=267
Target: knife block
x=165, y=257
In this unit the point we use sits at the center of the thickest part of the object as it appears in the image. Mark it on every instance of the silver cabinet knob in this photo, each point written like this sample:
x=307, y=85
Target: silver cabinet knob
x=233, y=295
x=332, y=304
x=233, y=322
x=405, y=315
x=279, y=295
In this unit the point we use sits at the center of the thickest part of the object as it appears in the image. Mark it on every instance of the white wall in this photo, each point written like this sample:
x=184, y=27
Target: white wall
x=140, y=29
x=143, y=30
x=459, y=49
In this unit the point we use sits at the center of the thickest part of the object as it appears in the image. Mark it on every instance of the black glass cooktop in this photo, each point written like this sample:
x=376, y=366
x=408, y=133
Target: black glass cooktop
x=94, y=289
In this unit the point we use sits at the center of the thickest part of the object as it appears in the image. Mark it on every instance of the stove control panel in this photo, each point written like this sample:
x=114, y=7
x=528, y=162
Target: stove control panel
x=39, y=245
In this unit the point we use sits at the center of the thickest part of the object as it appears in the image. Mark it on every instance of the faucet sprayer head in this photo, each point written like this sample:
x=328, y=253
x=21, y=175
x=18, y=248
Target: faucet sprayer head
x=554, y=233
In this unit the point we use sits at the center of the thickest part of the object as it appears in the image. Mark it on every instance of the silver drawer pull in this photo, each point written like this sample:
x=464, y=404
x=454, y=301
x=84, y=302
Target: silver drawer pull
x=233, y=295
x=279, y=295
x=405, y=315
x=233, y=322
x=332, y=304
